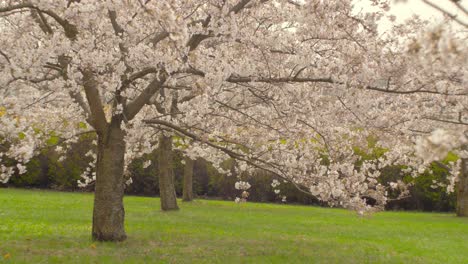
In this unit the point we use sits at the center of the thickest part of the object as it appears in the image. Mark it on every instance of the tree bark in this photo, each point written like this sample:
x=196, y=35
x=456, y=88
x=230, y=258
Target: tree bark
x=108, y=214
x=187, y=195
x=166, y=175
x=462, y=193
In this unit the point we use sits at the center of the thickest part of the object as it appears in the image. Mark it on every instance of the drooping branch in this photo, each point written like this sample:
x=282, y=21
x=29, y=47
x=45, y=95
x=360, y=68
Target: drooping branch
x=246, y=115
x=235, y=155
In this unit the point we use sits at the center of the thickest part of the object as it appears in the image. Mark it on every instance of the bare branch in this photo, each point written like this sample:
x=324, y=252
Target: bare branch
x=447, y=13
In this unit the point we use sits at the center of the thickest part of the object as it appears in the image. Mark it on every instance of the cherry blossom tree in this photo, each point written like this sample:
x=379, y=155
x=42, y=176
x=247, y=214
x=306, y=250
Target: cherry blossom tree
x=290, y=87
x=429, y=105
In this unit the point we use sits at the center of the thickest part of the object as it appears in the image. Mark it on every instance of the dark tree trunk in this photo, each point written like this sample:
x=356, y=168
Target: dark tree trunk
x=462, y=194
x=166, y=175
x=187, y=195
x=108, y=214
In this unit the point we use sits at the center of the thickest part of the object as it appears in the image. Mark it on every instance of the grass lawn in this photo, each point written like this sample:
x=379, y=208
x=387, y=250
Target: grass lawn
x=55, y=227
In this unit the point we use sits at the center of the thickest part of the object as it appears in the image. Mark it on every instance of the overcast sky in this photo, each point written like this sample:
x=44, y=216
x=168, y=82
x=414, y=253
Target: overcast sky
x=404, y=11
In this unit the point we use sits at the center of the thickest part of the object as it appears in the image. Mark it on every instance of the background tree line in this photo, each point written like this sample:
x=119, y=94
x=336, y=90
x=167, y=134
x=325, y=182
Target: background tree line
x=52, y=170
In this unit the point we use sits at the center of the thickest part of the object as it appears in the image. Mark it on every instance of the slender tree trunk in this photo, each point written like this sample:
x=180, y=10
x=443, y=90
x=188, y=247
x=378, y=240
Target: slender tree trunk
x=108, y=214
x=188, y=180
x=166, y=175
x=462, y=194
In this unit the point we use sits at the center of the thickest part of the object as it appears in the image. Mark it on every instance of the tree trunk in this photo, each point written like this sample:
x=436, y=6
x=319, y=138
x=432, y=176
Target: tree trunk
x=188, y=180
x=462, y=194
x=166, y=175
x=108, y=214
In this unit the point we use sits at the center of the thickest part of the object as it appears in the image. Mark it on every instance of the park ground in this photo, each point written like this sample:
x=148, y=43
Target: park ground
x=55, y=227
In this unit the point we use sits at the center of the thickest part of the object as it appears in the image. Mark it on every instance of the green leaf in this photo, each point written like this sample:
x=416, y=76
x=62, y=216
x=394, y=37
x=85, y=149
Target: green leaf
x=450, y=157
x=82, y=125
x=21, y=135
x=53, y=140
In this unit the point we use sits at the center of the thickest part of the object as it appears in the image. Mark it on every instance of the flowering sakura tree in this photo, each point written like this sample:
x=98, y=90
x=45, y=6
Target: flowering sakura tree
x=290, y=87
x=25, y=128
x=433, y=114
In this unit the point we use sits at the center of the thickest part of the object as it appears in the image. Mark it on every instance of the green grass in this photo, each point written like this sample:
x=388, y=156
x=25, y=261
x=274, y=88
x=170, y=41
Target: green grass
x=54, y=227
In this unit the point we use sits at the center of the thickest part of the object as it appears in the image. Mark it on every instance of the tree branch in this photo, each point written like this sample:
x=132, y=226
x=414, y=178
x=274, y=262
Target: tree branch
x=229, y=152
x=71, y=30
x=241, y=79
x=447, y=13
x=80, y=100
x=447, y=121
x=5, y=56
x=410, y=91
x=239, y=6
x=98, y=117
x=138, y=75
x=159, y=37
x=42, y=21
x=143, y=99
x=118, y=30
